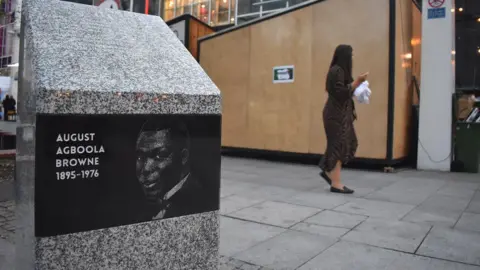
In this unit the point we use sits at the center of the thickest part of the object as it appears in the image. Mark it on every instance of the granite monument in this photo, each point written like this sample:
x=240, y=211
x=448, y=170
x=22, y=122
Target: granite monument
x=118, y=153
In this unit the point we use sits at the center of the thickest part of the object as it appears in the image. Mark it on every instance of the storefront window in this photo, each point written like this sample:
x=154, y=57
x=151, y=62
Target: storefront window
x=219, y=12
x=183, y=7
x=154, y=7
x=274, y=5
x=138, y=6
x=467, y=45
x=200, y=10
x=212, y=12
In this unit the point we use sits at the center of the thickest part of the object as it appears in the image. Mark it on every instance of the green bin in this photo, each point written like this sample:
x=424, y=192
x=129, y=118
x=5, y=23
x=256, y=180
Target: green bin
x=467, y=146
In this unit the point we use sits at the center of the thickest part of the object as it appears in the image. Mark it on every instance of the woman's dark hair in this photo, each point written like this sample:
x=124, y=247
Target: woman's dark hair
x=343, y=58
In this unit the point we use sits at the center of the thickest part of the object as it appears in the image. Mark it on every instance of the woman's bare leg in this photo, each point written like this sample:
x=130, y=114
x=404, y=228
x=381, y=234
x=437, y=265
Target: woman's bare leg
x=335, y=176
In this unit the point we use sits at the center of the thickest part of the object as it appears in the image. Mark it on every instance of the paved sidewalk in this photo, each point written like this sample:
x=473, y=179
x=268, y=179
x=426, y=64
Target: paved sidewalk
x=281, y=216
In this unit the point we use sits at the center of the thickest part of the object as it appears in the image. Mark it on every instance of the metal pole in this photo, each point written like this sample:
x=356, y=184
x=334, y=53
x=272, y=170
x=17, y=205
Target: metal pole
x=236, y=12
x=16, y=48
x=174, y=8
x=209, y=11
x=229, y=10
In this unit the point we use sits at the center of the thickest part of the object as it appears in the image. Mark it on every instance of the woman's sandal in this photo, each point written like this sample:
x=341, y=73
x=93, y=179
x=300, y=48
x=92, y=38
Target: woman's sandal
x=345, y=190
x=326, y=178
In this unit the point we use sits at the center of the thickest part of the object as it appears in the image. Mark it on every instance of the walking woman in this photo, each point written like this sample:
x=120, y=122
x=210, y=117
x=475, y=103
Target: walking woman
x=338, y=116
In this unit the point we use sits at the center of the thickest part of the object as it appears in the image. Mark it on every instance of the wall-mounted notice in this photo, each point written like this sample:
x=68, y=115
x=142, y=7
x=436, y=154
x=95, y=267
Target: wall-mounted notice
x=283, y=74
x=436, y=10
x=179, y=29
x=101, y=171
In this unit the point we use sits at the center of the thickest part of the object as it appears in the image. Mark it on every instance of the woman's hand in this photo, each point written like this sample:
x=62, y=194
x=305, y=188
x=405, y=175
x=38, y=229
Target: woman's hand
x=360, y=79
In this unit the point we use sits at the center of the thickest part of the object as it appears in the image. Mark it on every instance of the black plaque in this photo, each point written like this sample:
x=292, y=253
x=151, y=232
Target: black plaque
x=100, y=171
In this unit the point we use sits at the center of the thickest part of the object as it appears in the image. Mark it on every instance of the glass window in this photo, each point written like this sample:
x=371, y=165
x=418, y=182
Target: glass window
x=183, y=7
x=168, y=10
x=467, y=44
x=200, y=10
x=244, y=19
x=246, y=7
x=232, y=11
x=274, y=5
x=219, y=13
x=138, y=6
x=154, y=7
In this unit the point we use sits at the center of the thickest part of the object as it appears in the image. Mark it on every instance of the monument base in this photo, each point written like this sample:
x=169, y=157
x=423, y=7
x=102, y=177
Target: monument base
x=188, y=242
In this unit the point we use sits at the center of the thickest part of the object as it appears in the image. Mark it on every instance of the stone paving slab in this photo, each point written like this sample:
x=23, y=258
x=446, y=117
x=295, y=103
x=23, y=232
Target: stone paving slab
x=353, y=256
x=396, y=235
x=276, y=213
x=269, y=193
x=445, y=202
x=408, y=191
x=235, y=187
x=453, y=245
x=438, y=210
x=234, y=203
x=434, y=217
x=372, y=208
x=317, y=200
x=288, y=250
x=333, y=232
x=233, y=264
x=474, y=206
x=237, y=235
x=336, y=219
x=459, y=190
x=469, y=222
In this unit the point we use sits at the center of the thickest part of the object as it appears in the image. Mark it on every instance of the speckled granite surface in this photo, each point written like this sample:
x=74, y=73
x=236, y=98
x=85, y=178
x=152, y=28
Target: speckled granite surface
x=79, y=59
x=84, y=58
x=189, y=242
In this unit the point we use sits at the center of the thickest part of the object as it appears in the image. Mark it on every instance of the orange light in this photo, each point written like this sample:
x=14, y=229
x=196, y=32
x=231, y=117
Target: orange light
x=460, y=9
x=415, y=41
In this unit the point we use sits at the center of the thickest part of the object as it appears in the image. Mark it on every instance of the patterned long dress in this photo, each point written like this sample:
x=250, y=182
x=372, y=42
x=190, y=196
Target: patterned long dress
x=338, y=116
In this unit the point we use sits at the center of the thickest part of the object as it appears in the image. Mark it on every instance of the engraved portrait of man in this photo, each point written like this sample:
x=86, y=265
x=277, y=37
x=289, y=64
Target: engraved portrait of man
x=163, y=160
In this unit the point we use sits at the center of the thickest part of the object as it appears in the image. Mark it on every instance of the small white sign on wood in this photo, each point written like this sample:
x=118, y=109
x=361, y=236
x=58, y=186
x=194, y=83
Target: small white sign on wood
x=179, y=29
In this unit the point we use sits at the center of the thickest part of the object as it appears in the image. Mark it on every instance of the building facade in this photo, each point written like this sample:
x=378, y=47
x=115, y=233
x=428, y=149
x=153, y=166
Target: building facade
x=211, y=12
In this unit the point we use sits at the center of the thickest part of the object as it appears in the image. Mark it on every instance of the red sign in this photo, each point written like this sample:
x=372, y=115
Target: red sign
x=436, y=3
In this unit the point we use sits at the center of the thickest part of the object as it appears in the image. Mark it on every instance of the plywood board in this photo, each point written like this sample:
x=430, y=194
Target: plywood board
x=279, y=113
x=368, y=35
x=231, y=73
x=196, y=31
x=258, y=114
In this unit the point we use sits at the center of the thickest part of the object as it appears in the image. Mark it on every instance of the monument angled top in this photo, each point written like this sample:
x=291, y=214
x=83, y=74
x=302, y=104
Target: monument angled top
x=85, y=59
